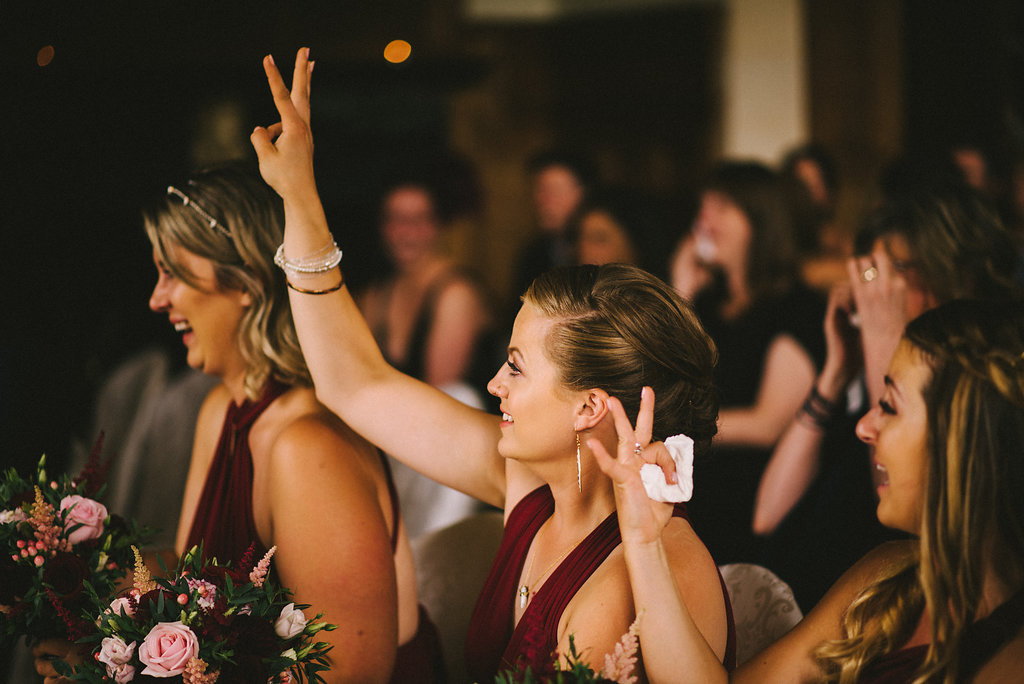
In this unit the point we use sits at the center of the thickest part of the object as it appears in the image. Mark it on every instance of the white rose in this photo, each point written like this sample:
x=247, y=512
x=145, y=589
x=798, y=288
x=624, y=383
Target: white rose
x=290, y=623
x=16, y=515
x=114, y=651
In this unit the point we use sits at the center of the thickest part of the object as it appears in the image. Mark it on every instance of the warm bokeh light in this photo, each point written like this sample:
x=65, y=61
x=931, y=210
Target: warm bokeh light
x=397, y=51
x=44, y=56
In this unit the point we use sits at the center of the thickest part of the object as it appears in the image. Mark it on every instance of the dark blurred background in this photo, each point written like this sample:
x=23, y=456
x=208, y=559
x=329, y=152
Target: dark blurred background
x=106, y=102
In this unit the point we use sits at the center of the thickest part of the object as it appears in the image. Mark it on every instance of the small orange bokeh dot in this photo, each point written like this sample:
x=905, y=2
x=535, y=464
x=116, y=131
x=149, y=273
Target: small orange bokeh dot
x=397, y=51
x=44, y=56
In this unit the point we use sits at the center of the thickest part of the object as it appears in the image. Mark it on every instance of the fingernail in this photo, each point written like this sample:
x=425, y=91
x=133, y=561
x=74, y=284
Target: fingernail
x=673, y=478
x=307, y=53
x=271, y=58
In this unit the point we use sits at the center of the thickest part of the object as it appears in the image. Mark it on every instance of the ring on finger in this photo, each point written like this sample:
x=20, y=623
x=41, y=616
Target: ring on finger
x=869, y=274
x=637, y=449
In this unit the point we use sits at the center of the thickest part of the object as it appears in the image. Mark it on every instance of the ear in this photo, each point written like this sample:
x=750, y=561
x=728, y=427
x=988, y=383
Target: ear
x=593, y=407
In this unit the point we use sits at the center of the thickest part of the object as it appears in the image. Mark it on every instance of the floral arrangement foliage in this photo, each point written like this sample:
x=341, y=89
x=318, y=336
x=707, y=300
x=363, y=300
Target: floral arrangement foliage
x=60, y=550
x=209, y=623
x=619, y=666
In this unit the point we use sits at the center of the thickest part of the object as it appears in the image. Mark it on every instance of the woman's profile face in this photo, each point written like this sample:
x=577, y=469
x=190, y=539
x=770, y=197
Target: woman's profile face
x=207, y=317
x=603, y=241
x=897, y=428
x=723, y=232
x=538, y=413
x=409, y=224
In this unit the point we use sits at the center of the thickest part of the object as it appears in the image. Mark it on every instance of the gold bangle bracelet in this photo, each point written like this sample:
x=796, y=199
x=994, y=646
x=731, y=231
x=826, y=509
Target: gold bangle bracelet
x=302, y=290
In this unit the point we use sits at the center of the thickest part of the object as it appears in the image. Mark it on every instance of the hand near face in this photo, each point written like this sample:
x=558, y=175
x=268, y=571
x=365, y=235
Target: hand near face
x=689, y=275
x=880, y=294
x=641, y=519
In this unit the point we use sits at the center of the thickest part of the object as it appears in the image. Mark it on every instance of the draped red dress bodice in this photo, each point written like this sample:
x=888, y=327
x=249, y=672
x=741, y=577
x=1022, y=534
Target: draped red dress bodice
x=492, y=644
x=224, y=521
x=225, y=525
x=981, y=640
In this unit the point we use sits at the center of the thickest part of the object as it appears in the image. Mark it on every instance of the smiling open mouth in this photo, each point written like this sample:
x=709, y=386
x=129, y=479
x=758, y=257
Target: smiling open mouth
x=879, y=475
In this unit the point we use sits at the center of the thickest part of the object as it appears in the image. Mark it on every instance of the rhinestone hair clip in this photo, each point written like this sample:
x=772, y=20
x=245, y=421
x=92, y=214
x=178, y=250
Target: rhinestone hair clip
x=171, y=190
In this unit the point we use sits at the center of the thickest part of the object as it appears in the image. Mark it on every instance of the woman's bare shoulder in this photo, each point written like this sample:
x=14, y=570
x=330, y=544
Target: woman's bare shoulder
x=302, y=427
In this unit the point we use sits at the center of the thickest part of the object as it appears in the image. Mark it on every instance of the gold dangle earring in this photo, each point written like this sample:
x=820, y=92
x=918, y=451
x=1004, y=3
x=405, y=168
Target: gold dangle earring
x=579, y=470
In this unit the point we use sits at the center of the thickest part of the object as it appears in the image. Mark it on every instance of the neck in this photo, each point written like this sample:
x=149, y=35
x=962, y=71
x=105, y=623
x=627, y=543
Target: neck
x=577, y=511
x=236, y=386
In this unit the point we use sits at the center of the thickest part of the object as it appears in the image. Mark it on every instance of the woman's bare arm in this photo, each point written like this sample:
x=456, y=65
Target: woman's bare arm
x=795, y=461
x=785, y=381
x=459, y=317
x=674, y=648
x=334, y=547
x=411, y=420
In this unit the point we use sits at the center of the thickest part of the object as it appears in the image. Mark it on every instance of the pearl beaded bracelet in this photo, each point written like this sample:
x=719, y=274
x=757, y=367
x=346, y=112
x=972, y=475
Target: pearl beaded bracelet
x=320, y=261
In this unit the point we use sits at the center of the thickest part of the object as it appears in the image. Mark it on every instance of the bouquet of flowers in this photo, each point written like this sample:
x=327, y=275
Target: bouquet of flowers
x=210, y=623
x=619, y=666
x=60, y=549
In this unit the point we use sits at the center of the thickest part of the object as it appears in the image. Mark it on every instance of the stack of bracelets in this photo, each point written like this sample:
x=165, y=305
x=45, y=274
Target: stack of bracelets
x=320, y=261
x=818, y=409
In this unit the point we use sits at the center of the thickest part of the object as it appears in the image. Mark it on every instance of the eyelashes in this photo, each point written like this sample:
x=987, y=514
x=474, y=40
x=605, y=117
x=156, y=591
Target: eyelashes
x=886, y=407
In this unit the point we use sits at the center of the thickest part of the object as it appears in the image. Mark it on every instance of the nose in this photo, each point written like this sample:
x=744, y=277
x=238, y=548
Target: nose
x=159, y=300
x=867, y=427
x=496, y=387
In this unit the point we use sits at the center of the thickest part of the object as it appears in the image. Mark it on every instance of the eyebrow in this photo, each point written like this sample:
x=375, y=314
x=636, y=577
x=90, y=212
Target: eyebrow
x=891, y=384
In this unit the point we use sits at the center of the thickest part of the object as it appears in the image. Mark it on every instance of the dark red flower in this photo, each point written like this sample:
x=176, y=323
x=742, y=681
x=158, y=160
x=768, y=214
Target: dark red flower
x=149, y=601
x=254, y=636
x=66, y=573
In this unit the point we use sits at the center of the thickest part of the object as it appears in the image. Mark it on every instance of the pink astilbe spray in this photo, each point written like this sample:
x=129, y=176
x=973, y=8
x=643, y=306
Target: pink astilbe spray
x=259, y=573
x=42, y=520
x=195, y=672
x=620, y=664
x=143, y=580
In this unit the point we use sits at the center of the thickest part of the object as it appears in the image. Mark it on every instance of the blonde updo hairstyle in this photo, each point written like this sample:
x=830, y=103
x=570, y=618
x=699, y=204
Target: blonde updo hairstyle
x=620, y=328
x=973, y=508
x=250, y=226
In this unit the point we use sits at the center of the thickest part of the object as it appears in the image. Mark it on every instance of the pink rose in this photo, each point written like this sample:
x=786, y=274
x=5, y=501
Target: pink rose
x=85, y=512
x=290, y=623
x=121, y=606
x=167, y=649
x=122, y=674
x=114, y=652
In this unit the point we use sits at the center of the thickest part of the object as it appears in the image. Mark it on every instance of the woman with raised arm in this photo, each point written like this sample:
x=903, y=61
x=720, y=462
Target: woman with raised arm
x=271, y=466
x=816, y=502
x=949, y=606
x=583, y=335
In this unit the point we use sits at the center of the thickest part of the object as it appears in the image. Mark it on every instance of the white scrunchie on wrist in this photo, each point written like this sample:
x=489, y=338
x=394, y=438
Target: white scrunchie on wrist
x=653, y=477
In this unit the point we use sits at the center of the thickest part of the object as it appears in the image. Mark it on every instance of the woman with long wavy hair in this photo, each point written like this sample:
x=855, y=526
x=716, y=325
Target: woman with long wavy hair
x=948, y=606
